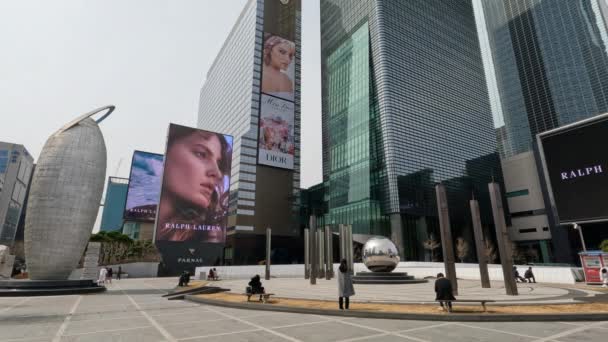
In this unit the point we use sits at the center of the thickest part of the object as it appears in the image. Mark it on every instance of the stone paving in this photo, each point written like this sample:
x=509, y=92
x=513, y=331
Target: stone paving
x=412, y=293
x=132, y=310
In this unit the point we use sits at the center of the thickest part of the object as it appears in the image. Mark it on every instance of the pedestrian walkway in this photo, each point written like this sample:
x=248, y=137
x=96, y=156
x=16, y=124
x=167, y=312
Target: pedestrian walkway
x=132, y=310
x=534, y=293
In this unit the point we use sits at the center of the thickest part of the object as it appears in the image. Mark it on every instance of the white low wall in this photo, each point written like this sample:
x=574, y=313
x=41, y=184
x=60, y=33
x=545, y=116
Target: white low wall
x=133, y=270
x=543, y=274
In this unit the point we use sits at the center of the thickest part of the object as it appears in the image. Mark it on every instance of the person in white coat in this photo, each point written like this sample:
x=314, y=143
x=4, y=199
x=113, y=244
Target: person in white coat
x=604, y=276
x=345, y=285
x=103, y=272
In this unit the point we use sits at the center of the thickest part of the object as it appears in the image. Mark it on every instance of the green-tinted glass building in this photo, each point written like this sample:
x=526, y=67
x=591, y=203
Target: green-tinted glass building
x=405, y=106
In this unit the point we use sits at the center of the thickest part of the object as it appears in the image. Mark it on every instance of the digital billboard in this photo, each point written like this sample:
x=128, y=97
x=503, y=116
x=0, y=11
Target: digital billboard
x=193, y=202
x=276, y=145
x=144, y=186
x=276, y=140
x=576, y=166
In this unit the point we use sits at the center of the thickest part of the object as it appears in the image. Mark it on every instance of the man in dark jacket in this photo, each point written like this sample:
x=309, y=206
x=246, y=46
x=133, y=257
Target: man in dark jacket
x=443, y=290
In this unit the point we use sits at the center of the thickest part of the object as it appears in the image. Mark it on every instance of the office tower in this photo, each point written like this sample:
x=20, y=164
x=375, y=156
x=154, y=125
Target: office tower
x=16, y=166
x=114, y=204
x=551, y=69
x=252, y=92
x=405, y=106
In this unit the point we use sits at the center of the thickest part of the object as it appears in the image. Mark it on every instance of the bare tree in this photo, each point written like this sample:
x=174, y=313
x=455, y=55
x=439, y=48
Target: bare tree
x=490, y=251
x=462, y=248
x=432, y=244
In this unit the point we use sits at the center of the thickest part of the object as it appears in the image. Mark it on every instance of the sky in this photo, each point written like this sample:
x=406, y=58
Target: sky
x=62, y=58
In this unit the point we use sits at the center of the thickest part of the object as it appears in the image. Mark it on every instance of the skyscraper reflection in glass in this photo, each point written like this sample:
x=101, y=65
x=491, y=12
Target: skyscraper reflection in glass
x=405, y=106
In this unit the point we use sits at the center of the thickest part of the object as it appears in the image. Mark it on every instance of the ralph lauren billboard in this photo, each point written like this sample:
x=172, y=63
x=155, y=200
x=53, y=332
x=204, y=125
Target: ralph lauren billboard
x=576, y=167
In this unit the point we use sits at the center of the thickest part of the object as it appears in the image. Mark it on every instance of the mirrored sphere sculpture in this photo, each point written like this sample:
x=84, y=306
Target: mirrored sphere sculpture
x=380, y=254
x=64, y=198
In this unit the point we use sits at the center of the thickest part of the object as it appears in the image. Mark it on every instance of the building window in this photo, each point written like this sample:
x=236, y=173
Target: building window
x=518, y=193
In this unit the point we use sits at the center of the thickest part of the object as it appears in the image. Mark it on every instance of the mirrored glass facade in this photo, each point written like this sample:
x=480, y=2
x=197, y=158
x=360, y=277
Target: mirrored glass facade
x=551, y=64
x=405, y=106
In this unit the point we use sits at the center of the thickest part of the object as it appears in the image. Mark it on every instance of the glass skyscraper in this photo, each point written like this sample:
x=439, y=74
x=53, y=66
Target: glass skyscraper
x=405, y=106
x=551, y=64
x=550, y=61
x=231, y=102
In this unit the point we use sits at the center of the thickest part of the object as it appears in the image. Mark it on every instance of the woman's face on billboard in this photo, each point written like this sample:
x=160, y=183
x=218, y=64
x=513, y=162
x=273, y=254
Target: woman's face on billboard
x=192, y=171
x=281, y=56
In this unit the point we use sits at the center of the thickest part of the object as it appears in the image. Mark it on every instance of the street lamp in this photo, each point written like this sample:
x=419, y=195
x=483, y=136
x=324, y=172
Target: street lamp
x=580, y=233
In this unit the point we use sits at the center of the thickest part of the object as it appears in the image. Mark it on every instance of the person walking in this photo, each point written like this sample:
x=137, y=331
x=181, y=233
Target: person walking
x=119, y=273
x=604, y=276
x=443, y=292
x=529, y=275
x=345, y=285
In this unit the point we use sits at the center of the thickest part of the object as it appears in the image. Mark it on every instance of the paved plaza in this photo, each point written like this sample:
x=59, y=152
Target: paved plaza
x=132, y=310
x=530, y=293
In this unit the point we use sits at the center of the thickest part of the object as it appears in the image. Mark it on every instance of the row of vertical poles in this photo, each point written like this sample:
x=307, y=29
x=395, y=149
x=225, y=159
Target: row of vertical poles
x=319, y=251
x=504, y=243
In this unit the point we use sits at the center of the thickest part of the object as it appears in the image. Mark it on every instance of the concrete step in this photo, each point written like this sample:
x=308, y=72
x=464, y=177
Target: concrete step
x=391, y=281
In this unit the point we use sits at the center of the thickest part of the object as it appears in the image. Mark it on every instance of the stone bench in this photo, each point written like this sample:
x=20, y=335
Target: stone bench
x=482, y=301
x=263, y=296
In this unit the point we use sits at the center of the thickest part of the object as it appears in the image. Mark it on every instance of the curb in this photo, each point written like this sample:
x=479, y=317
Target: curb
x=454, y=317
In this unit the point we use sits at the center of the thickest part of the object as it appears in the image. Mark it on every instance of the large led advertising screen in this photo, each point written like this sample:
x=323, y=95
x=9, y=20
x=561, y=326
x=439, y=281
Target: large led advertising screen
x=576, y=165
x=195, y=188
x=144, y=186
x=276, y=146
x=193, y=207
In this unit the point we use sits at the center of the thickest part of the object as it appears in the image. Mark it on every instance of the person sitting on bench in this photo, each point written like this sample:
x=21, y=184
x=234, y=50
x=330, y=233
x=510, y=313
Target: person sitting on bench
x=517, y=276
x=184, y=279
x=211, y=275
x=256, y=286
x=529, y=275
x=443, y=291
x=216, y=276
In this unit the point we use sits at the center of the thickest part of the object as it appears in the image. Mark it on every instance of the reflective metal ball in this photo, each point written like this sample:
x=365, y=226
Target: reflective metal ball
x=380, y=254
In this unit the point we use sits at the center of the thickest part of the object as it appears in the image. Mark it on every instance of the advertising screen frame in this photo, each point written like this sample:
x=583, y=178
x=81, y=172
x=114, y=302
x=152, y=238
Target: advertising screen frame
x=555, y=132
x=124, y=213
x=180, y=255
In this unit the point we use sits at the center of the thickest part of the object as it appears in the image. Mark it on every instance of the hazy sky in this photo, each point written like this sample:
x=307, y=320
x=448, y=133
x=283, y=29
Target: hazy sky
x=62, y=58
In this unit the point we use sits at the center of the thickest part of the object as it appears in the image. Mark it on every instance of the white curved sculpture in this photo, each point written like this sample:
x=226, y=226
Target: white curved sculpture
x=64, y=198
x=380, y=254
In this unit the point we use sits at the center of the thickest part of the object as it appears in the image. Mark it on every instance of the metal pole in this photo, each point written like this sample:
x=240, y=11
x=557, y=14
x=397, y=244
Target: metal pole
x=479, y=245
x=313, y=250
x=580, y=233
x=342, y=239
x=327, y=253
x=268, y=234
x=506, y=259
x=321, y=249
x=349, y=234
x=446, y=236
x=306, y=253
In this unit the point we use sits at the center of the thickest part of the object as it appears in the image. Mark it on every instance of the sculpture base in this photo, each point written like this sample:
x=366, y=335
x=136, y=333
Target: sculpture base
x=26, y=288
x=386, y=278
